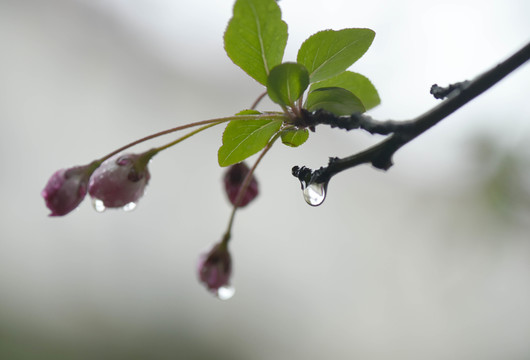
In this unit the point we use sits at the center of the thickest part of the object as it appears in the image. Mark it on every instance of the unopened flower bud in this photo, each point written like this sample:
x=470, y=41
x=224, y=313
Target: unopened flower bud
x=120, y=180
x=215, y=267
x=233, y=181
x=67, y=188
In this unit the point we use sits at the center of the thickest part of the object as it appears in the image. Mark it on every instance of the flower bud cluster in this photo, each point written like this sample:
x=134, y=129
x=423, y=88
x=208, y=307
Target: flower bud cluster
x=121, y=180
x=116, y=182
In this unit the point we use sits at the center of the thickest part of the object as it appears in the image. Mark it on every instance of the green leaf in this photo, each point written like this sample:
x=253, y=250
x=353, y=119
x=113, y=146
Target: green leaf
x=294, y=137
x=358, y=84
x=287, y=82
x=249, y=112
x=336, y=100
x=243, y=138
x=256, y=36
x=328, y=53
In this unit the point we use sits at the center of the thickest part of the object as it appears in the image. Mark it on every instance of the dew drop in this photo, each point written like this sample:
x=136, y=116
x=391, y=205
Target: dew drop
x=315, y=193
x=130, y=206
x=225, y=292
x=98, y=205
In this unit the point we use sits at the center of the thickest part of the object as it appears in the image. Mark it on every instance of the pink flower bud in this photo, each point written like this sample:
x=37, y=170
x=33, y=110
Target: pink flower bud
x=120, y=180
x=233, y=180
x=215, y=267
x=67, y=188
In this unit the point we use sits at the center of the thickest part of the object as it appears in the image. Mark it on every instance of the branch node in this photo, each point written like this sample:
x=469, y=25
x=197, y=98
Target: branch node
x=382, y=162
x=350, y=122
x=450, y=91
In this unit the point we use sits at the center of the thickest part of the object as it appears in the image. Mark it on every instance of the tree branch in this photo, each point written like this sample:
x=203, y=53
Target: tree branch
x=401, y=132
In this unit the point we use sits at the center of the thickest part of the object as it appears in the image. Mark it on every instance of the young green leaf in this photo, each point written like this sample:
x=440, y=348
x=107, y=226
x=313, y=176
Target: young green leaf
x=336, y=100
x=256, y=36
x=243, y=138
x=287, y=82
x=358, y=84
x=328, y=53
x=249, y=112
x=294, y=137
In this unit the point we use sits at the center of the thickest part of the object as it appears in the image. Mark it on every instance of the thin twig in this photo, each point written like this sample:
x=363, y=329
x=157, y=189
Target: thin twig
x=401, y=132
x=257, y=101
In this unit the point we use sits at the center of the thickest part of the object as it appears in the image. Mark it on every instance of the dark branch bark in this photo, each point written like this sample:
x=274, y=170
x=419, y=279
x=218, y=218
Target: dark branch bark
x=443, y=92
x=401, y=132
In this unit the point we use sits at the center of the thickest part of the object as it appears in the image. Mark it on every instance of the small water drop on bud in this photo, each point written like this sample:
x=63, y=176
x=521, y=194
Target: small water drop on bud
x=225, y=292
x=129, y=207
x=98, y=205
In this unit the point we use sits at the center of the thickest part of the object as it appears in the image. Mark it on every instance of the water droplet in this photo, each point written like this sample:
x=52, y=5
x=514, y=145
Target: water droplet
x=315, y=193
x=98, y=205
x=225, y=292
x=130, y=206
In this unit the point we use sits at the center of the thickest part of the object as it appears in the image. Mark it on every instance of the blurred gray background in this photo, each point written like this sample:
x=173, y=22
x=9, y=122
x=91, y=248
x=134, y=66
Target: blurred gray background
x=430, y=260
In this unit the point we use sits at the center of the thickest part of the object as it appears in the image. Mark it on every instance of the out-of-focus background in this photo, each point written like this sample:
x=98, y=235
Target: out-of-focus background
x=430, y=260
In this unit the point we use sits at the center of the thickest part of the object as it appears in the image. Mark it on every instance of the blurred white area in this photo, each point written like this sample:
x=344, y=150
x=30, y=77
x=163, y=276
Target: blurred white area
x=429, y=260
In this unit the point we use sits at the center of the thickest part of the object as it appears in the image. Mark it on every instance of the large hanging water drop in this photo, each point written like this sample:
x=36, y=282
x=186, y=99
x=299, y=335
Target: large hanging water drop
x=98, y=205
x=225, y=292
x=129, y=207
x=315, y=193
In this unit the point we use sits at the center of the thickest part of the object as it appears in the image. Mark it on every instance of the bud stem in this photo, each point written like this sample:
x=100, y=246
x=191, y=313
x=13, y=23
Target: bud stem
x=208, y=123
x=255, y=104
x=244, y=187
x=175, y=142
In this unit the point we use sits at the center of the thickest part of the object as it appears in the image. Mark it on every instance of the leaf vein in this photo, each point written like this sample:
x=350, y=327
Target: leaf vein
x=329, y=59
x=260, y=38
x=245, y=137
